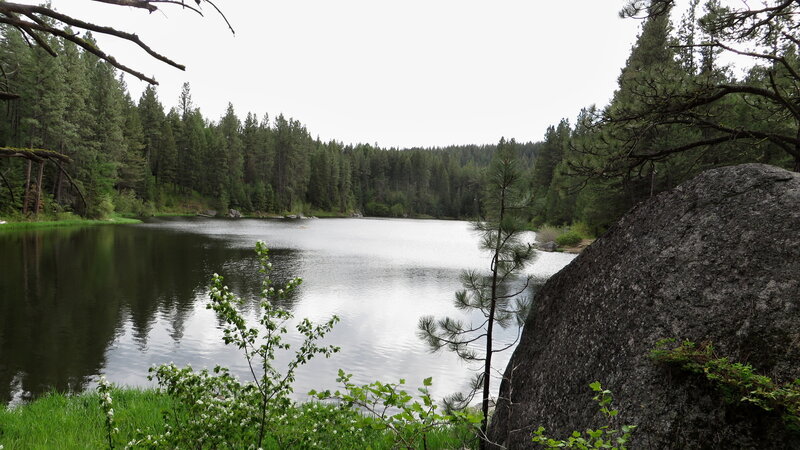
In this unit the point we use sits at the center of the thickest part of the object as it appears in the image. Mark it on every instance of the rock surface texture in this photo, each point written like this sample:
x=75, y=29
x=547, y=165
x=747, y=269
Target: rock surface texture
x=717, y=259
x=548, y=247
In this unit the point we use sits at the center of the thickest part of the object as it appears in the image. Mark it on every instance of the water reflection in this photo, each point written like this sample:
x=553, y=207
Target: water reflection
x=78, y=302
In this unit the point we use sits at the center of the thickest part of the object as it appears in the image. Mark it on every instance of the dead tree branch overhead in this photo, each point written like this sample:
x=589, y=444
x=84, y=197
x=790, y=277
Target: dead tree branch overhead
x=37, y=22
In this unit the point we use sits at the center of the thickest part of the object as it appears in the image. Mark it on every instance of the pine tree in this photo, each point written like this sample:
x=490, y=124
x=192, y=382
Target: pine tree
x=133, y=170
x=151, y=114
x=495, y=295
x=233, y=152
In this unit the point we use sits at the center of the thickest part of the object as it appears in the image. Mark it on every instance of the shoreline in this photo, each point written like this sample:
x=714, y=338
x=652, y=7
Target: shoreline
x=577, y=249
x=79, y=421
x=118, y=220
x=24, y=226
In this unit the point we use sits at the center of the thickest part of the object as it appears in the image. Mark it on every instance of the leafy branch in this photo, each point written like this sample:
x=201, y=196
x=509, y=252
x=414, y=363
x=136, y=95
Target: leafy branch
x=739, y=382
x=393, y=409
x=219, y=401
x=603, y=437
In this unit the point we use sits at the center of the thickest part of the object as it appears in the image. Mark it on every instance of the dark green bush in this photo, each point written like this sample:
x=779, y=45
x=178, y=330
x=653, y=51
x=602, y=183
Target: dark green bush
x=377, y=209
x=569, y=239
x=583, y=229
x=398, y=210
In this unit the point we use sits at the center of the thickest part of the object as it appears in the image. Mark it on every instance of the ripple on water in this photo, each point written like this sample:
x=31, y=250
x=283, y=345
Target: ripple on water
x=378, y=276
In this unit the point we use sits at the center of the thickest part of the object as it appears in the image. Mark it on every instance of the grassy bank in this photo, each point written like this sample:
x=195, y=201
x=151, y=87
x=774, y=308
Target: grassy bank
x=77, y=421
x=570, y=239
x=71, y=222
x=60, y=421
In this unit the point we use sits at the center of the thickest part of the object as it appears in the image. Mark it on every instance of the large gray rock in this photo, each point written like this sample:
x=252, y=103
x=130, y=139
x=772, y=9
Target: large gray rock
x=548, y=247
x=717, y=259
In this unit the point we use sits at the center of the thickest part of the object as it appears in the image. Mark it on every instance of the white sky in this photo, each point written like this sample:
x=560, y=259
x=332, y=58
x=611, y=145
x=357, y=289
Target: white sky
x=397, y=73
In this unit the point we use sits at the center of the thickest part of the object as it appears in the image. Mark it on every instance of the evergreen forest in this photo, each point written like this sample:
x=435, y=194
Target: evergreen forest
x=680, y=108
x=133, y=156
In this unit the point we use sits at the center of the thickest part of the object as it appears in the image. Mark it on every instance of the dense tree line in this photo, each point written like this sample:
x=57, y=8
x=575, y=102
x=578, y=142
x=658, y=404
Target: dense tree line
x=135, y=156
x=679, y=109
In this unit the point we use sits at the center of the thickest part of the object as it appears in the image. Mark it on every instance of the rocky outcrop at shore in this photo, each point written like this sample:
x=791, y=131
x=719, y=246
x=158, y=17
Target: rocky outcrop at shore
x=715, y=260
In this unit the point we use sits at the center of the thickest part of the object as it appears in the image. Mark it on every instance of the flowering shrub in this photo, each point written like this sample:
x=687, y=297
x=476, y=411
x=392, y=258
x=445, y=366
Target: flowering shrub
x=106, y=403
x=215, y=409
x=390, y=408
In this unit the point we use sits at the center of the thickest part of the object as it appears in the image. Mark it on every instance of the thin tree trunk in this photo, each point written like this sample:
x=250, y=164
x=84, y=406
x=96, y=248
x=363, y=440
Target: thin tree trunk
x=72, y=183
x=39, y=188
x=27, y=188
x=487, y=370
x=8, y=185
x=59, y=187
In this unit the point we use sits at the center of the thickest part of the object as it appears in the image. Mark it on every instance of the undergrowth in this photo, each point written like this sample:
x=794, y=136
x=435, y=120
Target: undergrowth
x=215, y=409
x=607, y=436
x=738, y=382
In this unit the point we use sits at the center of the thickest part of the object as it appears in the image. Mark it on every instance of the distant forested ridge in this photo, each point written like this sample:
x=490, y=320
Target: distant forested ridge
x=133, y=156
x=678, y=110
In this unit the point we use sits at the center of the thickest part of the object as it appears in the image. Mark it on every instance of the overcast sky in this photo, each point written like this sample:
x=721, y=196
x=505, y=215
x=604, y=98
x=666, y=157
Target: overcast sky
x=397, y=73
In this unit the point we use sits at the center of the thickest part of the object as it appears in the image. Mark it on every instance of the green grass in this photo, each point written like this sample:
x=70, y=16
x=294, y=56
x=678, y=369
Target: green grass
x=60, y=421
x=583, y=229
x=569, y=239
x=66, y=223
x=564, y=236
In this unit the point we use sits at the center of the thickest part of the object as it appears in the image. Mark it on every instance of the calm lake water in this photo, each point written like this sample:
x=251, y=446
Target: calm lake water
x=115, y=300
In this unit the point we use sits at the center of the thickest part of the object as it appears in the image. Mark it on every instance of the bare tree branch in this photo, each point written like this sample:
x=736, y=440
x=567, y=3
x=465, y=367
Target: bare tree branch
x=9, y=12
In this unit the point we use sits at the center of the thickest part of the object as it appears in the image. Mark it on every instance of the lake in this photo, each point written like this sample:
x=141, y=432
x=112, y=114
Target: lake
x=115, y=300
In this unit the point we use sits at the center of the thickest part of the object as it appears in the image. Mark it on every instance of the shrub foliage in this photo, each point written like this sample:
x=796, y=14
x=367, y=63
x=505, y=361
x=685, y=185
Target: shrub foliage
x=738, y=382
x=214, y=409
